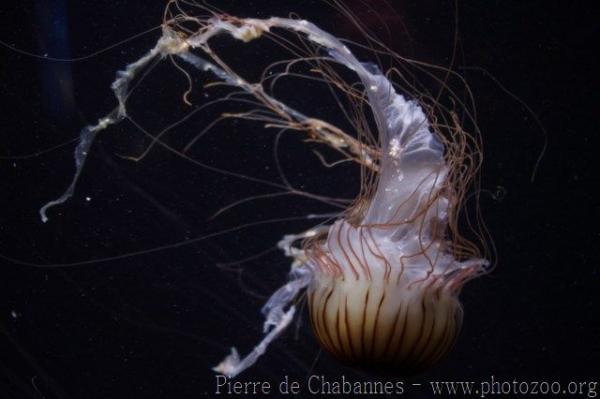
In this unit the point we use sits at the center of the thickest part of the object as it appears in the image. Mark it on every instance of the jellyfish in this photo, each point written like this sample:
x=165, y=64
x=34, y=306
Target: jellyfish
x=381, y=279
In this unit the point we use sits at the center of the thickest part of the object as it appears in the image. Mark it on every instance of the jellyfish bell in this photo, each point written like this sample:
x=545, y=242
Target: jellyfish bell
x=390, y=323
x=383, y=278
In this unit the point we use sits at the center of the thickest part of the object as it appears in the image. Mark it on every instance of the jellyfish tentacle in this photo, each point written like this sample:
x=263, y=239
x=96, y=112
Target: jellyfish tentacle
x=165, y=45
x=277, y=319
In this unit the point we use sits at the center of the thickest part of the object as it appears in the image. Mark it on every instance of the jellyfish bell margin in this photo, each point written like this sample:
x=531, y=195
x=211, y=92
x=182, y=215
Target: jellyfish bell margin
x=383, y=279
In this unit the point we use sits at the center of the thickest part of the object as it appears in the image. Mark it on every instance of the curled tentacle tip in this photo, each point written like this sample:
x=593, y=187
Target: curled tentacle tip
x=229, y=365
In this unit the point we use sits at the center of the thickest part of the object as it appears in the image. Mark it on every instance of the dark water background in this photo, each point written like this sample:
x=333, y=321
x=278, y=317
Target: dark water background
x=152, y=325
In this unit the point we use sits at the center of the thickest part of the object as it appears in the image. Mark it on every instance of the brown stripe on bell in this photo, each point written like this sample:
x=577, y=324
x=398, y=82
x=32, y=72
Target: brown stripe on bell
x=381, y=324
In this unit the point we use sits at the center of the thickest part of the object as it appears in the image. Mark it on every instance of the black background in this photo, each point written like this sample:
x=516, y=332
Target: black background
x=151, y=325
